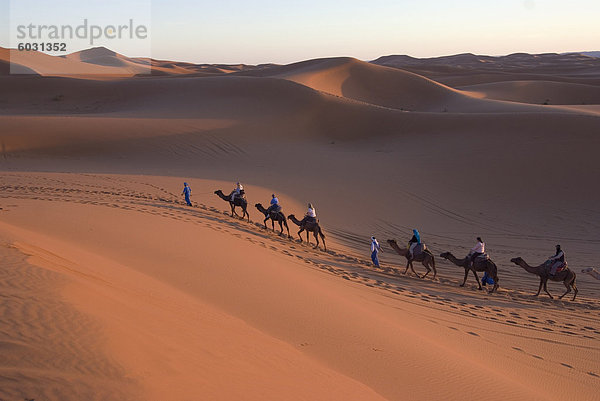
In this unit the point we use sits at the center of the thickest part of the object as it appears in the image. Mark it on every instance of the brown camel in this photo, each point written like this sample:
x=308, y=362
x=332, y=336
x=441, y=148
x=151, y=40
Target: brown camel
x=309, y=227
x=275, y=217
x=238, y=202
x=566, y=276
x=479, y=265
x=425, y=257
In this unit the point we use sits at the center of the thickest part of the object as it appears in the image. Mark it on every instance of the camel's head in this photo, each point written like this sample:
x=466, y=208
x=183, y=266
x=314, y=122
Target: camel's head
x=517, y=260
x=258, y=205
x=291, y=216
x=445, y=255
x=588, y=270
x=392, y=242
x=217, y=191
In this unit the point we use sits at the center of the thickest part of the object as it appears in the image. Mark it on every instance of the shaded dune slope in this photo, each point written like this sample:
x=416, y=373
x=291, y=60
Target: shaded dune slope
x=247, y=108
x=539, y=92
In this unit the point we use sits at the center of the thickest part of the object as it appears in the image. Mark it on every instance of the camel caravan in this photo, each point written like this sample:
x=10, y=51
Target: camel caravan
x=477, y=260
x=553, y=269
x=310, y=223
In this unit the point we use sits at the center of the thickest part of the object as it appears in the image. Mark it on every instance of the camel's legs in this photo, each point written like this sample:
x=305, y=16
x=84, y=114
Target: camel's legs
x=546, y=289
x=287, y=228
x=412, y=269
x=265, y=222
x=568, y=285
x=465, y=280
x=494, y=276
x=433, y=267
x=540, y=289
x=574, y=289
x=299, y=232
x=316, y=239
x=493, y=273
x=427, y=267
x=477, y=279
x=323, y=239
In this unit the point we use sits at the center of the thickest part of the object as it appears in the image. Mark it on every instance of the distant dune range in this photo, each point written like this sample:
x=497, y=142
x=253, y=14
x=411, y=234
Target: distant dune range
x=307, y=99
x=100, y=61
x=470, y=69
x=177, y=302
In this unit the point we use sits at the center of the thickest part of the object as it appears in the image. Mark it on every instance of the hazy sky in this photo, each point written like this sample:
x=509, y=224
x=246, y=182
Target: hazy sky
x=282, y=31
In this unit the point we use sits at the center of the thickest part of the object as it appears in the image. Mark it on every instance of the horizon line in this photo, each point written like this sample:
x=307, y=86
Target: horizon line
x=582, y=52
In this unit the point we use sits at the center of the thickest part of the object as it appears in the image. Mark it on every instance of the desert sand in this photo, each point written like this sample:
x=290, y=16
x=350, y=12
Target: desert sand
x=114, y=289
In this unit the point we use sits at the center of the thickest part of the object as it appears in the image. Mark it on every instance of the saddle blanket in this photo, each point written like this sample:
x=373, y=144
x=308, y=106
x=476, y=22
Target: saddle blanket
x=482, y=257
x=419, y=249
x=561, y=266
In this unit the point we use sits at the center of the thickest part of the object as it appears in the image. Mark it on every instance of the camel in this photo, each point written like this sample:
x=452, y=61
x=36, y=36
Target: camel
x=478, y=265
x=274, y=216
x=566, y=276
x=309, y=226
x=238, y=202
x=426, y=258
x=592, y=272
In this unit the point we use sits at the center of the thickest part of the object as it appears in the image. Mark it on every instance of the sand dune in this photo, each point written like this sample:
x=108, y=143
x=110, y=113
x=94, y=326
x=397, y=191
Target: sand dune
x=572, y=61
x=266, y=107
x=99, y=55
x=382, y=86
x=342, y=77
x=229, y=111
x=470, y=69
x=373, y=333
x=6, y=67
x=354, y=79
x=539, y=92
x=102, y=63
x=44, y=354
x=571, y=64
x=114, y=289
x=42, y=64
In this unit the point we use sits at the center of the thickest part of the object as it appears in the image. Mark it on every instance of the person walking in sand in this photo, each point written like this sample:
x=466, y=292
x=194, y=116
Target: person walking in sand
x=187, y=192
x=375, y=249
